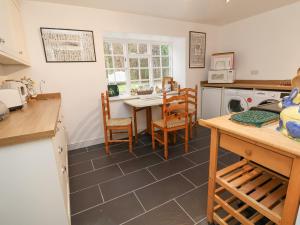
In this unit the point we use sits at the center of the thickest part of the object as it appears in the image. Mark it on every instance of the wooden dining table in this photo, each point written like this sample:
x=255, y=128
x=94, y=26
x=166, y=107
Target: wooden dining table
x=144, y=103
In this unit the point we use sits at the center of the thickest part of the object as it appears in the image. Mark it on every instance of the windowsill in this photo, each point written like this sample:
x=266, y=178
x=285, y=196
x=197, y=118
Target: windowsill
x=127, y=97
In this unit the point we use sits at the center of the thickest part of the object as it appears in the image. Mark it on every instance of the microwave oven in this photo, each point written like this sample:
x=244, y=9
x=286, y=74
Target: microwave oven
x=222, y=61
x=221, y=76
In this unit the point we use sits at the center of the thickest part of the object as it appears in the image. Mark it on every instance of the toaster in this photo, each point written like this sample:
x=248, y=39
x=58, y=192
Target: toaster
x=11, y=98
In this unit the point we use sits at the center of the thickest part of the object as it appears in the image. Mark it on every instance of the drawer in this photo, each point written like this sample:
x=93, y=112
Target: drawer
x=264, y=157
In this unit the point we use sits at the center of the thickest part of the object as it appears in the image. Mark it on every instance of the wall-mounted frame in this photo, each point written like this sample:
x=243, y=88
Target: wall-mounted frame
x=68, y=45
x=197, y=49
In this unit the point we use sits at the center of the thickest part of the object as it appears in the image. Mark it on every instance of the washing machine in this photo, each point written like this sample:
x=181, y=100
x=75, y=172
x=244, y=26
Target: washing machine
x=239, y=100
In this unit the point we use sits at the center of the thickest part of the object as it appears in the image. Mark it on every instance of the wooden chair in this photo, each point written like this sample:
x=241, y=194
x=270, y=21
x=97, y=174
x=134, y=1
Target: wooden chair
x=192, y=95
x=114, y=125
x=175, y=117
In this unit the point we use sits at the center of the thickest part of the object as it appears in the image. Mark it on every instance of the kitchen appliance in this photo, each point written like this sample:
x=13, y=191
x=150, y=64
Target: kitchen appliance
x=239, y=100
x=222, y=61
x=11, y=98
x=18, y=85
x=4, y=112
x=221, y=76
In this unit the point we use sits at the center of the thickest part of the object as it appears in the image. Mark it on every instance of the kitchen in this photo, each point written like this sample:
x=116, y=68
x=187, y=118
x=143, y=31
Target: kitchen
x=262, y=53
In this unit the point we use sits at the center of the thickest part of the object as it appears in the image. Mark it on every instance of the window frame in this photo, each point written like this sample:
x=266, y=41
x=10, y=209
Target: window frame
x=148, y=55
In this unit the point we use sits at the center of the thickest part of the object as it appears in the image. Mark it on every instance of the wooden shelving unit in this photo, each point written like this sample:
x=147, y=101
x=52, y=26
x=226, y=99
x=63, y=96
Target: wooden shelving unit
x=249, y=194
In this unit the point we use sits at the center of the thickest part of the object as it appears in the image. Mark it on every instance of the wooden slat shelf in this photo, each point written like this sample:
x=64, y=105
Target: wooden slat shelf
x=256, y=187
x=231, y=211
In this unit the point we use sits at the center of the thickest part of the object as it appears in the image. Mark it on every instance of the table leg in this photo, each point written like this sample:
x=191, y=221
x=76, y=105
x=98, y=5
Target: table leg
x=292, y=199
x=135, y=124
x=214, y=146
x=149, y=119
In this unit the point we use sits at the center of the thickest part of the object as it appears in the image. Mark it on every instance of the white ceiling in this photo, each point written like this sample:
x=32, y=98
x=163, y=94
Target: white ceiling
x=215, y=12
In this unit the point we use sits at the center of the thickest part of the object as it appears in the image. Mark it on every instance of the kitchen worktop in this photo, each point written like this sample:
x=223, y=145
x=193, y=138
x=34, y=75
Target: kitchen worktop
x=36, y=120
x=254, y=84
x=267, y=135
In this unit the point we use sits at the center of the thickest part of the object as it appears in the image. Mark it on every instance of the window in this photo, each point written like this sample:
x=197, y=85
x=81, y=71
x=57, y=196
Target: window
x=135, y=64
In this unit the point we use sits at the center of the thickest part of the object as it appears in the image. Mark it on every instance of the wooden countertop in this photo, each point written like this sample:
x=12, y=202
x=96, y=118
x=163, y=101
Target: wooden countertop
x=267, y=136
x=35, y=121
x=254, y=84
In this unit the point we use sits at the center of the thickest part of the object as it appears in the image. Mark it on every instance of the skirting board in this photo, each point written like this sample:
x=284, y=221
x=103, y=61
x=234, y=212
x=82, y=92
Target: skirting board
x=91, y=142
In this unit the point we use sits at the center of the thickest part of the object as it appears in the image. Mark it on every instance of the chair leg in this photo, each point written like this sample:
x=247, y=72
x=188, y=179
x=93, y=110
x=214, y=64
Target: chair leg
x=110, y=135
x=153, y=137
x=191, y=126
x=166, y=144
x=106, y=142
x=174, y=137
x=130, y=137
x=186, y=139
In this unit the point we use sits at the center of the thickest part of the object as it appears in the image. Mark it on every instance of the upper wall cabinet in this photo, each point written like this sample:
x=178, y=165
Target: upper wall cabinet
x=12, y=38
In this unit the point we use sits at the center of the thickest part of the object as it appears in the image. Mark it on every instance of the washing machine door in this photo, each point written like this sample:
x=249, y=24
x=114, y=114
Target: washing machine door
x=237, y=104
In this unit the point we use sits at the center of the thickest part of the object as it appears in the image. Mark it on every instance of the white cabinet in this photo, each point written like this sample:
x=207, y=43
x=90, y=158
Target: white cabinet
x=12, y=39
x=211, y=102
x=34, y=182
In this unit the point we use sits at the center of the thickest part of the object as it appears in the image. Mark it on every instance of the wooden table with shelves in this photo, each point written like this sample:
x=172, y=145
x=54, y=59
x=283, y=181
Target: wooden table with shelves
x=265, y=185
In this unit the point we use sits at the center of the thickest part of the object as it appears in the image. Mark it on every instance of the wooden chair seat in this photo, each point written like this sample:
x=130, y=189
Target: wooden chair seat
x=114, y=125
x=192, y=94
x=118, y=122
x=170, y=123
x=175, y=117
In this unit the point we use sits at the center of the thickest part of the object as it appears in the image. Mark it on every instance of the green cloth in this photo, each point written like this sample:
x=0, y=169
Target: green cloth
x=255, y=117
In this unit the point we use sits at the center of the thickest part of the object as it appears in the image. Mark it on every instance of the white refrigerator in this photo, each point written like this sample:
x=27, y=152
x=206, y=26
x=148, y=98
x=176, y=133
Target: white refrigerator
x=211, y=102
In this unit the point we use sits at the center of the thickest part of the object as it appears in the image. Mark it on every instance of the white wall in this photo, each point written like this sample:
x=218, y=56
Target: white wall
x=268, y=43
x=81, y=83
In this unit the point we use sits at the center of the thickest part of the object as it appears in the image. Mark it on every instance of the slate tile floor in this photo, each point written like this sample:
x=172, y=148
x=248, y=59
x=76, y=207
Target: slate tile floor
x=142, y=188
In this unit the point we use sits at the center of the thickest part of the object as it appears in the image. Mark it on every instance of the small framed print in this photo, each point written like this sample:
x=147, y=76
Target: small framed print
x=68, y=45
x=197, y=49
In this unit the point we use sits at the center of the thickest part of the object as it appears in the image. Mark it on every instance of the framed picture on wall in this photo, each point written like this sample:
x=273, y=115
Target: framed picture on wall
x=68, y=45
x=197, y=49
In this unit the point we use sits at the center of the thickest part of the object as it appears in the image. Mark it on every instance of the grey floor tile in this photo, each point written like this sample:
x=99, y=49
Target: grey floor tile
x=81, y=157
x=111, y=213
x=139, y=163
x=167, y=214
x=80, y=168
x=76, y=151
x=195, y=202
x=170, y=167
x=229, y=158
x=112, y=159
x=97, y=176
x=85, y=199
x=162, y=191
x=199, y=175
x=200, y=143
x=125, y=184
x=175, y=151
x=143, y=150
x=203, y=222
x=119, y=148
x=199, y=156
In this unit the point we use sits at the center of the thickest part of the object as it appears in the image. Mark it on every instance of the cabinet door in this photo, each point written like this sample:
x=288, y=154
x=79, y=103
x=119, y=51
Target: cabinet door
x=211, y=102
x=17, y=31
x=5, y=27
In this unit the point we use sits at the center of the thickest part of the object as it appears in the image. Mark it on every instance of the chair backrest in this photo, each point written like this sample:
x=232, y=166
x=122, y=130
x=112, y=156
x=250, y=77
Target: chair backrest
x=192, y=96
x=105, y=107
x=175, y=107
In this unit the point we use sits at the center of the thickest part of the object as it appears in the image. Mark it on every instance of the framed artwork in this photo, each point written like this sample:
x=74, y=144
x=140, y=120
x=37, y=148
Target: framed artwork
x=68, y=45
x=197, y=49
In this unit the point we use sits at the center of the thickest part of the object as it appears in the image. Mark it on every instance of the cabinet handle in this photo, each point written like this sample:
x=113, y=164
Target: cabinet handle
x=64, y=169
x=20, y=52
x=2, y=40
x=60, y=149
x=59, y=121
x=248, y=152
